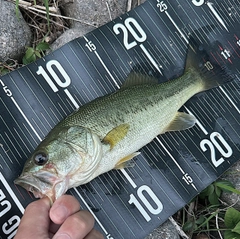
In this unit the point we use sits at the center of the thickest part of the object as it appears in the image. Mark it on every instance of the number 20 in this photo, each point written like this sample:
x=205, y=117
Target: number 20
x=215, y=138
x=132, y=26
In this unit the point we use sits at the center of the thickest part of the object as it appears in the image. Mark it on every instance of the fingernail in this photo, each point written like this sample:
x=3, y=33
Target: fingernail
x=62, y=236
x=60, y=212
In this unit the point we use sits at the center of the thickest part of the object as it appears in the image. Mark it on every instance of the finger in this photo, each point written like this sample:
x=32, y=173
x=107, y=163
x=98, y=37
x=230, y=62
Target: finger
x=63, y=207
x=35, y=221
x=77, y=226
x=94, y=234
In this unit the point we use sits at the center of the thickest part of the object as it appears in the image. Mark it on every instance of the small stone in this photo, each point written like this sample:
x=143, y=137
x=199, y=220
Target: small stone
x=93, y=13
x=233, y=176
x=15, y=34
x=69, y=35
x=164, y=231
x=201, y=236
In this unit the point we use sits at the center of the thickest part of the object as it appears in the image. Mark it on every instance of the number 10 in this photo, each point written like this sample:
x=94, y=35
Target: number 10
x=144, y=189
x=62, y=83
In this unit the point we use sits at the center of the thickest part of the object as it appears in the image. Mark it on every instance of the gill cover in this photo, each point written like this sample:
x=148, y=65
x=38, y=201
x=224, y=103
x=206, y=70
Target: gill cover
x=71, y=151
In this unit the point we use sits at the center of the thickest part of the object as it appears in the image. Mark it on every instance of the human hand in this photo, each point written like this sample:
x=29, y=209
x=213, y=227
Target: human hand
x=63, y=220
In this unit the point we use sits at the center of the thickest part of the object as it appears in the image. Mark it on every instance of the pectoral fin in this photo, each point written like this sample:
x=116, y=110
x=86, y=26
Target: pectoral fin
x=116, y=135
x=181, y=121
x=125, y=162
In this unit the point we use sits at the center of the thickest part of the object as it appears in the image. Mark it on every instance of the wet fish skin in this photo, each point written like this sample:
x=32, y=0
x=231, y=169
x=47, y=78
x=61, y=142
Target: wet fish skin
x=107, y=132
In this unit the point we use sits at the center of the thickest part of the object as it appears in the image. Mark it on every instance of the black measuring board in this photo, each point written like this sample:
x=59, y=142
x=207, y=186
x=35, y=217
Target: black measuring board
x=152, y=38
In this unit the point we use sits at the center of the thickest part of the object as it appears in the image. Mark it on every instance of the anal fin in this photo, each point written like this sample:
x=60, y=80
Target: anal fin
x=181, y=121
x=125, y=162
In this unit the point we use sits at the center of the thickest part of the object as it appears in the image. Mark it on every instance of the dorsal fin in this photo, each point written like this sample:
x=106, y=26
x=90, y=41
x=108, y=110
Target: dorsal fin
x=135, y=78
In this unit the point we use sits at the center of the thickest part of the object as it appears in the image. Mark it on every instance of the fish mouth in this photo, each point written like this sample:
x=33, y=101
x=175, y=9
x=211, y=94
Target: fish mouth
x=29, y=186
x=43, y=184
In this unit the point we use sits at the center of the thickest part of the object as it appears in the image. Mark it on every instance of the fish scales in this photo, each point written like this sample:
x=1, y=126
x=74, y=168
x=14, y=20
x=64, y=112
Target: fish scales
x=139, y=105
x=106, y=133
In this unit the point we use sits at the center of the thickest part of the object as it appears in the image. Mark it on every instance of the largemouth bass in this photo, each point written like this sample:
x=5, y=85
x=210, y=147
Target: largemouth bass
x=108, y=132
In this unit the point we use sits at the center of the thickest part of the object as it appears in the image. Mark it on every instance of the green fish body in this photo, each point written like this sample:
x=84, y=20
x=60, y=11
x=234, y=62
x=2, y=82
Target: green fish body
x=108, y=132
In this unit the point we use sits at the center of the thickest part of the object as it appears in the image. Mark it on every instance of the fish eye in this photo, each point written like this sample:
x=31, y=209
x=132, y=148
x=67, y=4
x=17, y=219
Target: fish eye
x=40, y=158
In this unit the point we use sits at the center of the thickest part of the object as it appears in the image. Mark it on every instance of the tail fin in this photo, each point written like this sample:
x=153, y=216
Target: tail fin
x=211, y=73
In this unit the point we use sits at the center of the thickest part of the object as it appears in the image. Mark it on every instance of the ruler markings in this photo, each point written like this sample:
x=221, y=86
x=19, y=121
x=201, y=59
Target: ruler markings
x=197, y=122
x=94, y=89
x=215, y=13
x=80, y=95
x=68, y=93
x=25, y=117
x=30, y=133
x=125, y=205
x=163, y=36
x=174, y=160
x=220, y=106
x=148, y=170
x=8, y=148
x=36, y=97
x=3, y=159
x=116, y=67
x=135, y=170
x=234, y=91
x=204, y=156
x=176, y=26
x=205, y=119
x=87, y=72
x=163, y=173
x=83, y=66
x=104, y=66
x=150, y=58
x=146, y=52
x=90, y=210
x=173, y=146
x=104, y=184
x=106, y=89
x=16, y=150
x=96, y=191
x=226, y=16
x=55, y=115
x=102, y=62
x=228, y=97
x=9, y=130
x=163, y=22
x=156, y=143
x=36, y=125
x=128, y=178
x=76, y=105
x=93, y=80
x=190, y=153
x=63, y=110
x=235, y=6
x=109, y=201
x=123, y=182
x=186, y=40
x=23, y=142
x=20, y=128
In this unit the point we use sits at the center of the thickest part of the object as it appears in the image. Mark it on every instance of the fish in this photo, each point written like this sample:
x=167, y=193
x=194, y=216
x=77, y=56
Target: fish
x=109, y=131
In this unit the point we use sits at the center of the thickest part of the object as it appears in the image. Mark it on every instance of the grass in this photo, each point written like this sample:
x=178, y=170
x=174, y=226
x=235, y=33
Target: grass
x=207, y=217
x=46, y=23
